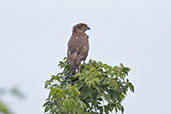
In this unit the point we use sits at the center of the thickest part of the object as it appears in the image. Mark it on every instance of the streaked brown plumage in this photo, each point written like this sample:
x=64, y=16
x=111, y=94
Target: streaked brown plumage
x=78, y=47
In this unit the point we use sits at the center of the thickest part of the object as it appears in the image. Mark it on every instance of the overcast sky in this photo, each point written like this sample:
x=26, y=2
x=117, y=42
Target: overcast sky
x=137, y=33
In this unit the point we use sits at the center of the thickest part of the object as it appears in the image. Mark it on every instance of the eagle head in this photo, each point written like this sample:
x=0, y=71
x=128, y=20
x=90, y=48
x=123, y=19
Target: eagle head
x=81, y=27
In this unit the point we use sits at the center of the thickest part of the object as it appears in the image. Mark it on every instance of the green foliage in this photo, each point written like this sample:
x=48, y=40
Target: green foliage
x=4, y=108
x=98, y=89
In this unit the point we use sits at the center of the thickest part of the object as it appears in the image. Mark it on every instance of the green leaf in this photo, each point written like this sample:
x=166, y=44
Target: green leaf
x=131, y=87
x=3, y=108
x=47, y=108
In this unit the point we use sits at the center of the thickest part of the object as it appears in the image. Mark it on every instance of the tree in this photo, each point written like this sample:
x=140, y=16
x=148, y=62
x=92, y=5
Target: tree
x=99, y=88
x=4, y=108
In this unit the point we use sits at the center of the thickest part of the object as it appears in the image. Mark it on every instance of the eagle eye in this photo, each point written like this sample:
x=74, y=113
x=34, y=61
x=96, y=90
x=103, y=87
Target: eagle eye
x=83, y=26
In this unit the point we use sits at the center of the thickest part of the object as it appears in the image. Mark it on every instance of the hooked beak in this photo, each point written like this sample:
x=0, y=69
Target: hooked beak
x=88, y=28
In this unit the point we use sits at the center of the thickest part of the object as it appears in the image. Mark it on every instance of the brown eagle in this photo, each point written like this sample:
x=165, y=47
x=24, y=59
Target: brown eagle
x=78, y=47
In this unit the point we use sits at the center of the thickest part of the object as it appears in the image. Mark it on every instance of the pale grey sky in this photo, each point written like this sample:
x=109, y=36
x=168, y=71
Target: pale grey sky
x=34, y=36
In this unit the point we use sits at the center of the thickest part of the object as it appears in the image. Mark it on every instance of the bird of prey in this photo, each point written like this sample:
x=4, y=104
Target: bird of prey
x=78, y=47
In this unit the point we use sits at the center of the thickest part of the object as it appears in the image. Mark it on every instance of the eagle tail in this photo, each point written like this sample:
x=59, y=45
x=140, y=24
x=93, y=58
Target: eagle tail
x=73, y=69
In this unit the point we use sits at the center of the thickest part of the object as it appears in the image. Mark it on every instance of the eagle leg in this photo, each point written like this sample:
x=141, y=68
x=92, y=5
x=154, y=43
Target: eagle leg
x=72, y=69
x=79, y=68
